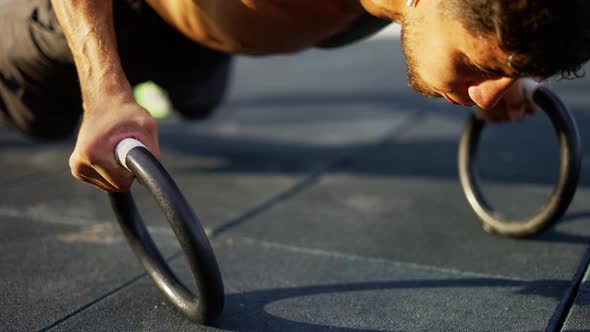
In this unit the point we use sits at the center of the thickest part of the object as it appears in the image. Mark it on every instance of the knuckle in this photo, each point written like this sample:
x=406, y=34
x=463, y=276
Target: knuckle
x=88, y=156
x=75, y=166
x=77, y=171
x=77, y=175
x=148, y=123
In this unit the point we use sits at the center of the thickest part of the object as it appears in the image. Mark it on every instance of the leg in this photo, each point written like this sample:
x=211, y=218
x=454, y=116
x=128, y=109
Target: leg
x=39, y=92
x=198, y=96
x=194, y=76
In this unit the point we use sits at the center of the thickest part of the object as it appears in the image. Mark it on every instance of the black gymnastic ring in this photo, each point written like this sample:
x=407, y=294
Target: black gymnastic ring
x=564, y=190
x=187, y=228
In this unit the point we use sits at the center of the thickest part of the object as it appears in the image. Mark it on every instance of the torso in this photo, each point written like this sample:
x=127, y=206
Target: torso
x=259, y=26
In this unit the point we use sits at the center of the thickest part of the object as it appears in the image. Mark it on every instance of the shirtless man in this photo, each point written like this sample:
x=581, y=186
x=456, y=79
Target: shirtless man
x=469, y=52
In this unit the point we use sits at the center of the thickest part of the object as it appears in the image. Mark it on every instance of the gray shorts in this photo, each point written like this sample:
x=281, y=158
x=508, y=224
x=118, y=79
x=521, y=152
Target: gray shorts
x=39, y=89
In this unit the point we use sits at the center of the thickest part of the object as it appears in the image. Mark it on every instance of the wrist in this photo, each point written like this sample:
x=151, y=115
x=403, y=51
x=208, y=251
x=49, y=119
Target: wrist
x=107, y=90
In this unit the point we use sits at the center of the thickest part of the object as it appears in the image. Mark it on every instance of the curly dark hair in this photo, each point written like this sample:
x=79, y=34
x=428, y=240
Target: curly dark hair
x=541, y=37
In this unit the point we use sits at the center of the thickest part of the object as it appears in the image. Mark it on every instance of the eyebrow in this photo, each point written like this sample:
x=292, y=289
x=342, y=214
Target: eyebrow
x=492, y=70
x=487, y=69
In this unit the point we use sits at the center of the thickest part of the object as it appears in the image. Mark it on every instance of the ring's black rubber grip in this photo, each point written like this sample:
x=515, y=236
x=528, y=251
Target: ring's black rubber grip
x=191, y=236
x=570, y=161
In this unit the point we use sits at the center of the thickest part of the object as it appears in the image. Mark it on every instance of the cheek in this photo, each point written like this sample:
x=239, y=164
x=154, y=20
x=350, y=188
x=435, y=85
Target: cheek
x=436, y=69
x=429, y=52
x=434, y=62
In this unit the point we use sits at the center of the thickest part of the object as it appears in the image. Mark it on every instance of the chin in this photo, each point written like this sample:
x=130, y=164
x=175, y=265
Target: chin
x=425, y=92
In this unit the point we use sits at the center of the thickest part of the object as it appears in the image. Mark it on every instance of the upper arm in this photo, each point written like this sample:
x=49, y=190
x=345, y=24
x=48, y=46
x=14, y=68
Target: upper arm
x=363, y=27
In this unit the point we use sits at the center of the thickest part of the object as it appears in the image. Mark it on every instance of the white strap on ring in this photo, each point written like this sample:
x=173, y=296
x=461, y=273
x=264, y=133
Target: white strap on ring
x=123, y=148
x=529, y=87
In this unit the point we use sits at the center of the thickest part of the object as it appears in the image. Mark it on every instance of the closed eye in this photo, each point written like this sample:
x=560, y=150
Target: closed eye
x=485, y=72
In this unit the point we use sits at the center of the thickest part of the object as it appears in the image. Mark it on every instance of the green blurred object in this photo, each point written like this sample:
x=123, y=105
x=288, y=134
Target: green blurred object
x=153, y=98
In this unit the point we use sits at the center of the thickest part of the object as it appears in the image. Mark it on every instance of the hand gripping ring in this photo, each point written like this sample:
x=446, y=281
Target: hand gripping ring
x=187, y=228
x=565, y=188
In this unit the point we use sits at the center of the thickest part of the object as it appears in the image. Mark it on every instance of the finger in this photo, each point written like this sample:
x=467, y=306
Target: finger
x=517, y=113
x=495, y=114
x=487, y=115
x=532, y=108
x=93, y=178
x=99, y=178
x=154, y=147
x=98, y=184
x=117, y=177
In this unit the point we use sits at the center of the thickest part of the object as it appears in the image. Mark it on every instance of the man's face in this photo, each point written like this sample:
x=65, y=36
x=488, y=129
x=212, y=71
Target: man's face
x=445, y=60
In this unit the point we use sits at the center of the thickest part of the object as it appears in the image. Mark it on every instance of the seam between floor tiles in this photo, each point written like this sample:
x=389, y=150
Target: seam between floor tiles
x=309, y=179
x=93, y=302
x=314, y=175
x=103, y=297
x=565, y=306
x=374, y=260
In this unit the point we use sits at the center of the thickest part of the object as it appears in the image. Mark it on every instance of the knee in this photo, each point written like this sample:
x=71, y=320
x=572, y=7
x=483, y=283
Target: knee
x=202, y=110
x=200, y=100
x=42, y=125
x=50, y=130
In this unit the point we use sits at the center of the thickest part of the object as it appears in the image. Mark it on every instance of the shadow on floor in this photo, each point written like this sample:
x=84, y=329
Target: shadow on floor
x=246, y=311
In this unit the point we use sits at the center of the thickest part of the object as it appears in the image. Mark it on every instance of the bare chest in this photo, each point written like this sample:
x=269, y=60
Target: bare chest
x=291, y=25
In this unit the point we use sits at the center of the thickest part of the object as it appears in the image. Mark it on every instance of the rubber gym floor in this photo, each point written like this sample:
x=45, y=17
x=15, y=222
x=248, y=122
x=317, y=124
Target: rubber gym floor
x=331, y=197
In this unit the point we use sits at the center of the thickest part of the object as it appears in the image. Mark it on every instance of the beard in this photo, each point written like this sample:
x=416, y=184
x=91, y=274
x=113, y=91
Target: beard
x=415, y=81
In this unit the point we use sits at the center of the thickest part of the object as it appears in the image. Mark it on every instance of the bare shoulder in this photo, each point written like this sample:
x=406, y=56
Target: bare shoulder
x=258, y=26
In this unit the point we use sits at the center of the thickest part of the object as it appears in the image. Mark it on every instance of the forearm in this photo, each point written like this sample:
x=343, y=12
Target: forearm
x=89, y=29
x=110, y=111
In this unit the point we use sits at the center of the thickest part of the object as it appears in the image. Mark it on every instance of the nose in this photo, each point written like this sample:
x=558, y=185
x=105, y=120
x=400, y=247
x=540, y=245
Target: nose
x=486, y=94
